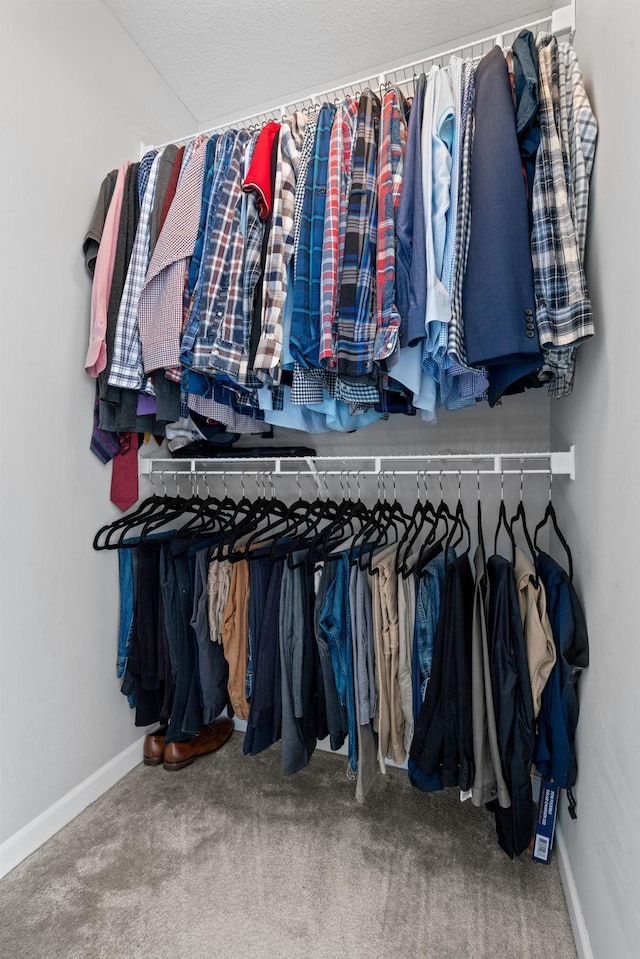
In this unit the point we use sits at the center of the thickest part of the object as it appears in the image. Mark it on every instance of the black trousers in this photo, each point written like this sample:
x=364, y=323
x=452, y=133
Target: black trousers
x=513, y=705
x=443, y=739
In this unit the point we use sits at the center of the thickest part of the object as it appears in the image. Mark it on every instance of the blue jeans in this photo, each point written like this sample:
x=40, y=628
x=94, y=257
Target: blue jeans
x=335, y=622
x=335, y=711
x=177, y=578
x=428, y=592
x=127, y=602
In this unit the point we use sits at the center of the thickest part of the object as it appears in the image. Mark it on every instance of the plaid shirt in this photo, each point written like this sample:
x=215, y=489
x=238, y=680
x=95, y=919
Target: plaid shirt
x=213, y=410
x=143, y=173
x=356, y=316
x=309, y=385
x=253, y=228
x=335, y=221
x=301, y=181
x=393, y=140
x=161, y=297
x=578, y=133
x=563, y=309
x=220, y=341
x=207, y=183
x=462, y=383
x=279, y=250
x=305, y=322
x=224, y=149
x=126, y=363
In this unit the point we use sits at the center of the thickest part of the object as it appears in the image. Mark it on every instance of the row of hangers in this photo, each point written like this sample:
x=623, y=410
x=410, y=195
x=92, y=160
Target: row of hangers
x=312, y=105
x=322, y=526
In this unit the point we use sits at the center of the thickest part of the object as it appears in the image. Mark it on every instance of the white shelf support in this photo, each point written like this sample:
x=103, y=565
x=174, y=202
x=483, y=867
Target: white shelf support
x=558, y=463
x=563, y=20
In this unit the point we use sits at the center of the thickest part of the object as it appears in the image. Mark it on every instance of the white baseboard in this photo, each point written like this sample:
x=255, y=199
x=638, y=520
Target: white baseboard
x=580, y=932
x=48, y=823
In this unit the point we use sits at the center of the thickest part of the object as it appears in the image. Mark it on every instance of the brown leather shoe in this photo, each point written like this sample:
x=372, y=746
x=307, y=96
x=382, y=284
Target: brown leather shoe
x=153, y=749
x=210, y=738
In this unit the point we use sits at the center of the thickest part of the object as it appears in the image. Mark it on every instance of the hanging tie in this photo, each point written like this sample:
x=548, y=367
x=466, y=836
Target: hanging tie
x=124, y=479
x=104, y=444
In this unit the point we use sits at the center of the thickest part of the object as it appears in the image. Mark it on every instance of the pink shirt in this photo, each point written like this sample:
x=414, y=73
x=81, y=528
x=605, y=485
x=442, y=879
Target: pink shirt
x=96, y=359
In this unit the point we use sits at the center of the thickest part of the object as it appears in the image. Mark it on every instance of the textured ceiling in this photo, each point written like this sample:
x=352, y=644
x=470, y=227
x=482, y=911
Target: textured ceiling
x=230, y=58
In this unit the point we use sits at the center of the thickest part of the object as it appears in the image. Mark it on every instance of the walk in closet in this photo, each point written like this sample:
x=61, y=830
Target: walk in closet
x=334, y=367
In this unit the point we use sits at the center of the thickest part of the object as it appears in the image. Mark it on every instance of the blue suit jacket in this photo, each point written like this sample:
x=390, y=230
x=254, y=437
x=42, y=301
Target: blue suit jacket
x=498, y=303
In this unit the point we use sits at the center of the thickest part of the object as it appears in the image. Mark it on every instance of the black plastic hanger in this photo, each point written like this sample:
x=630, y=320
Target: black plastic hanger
x=550, y=514
x=268, y=508
x=126, y=523
x=483, y=551
x=153, y=508
x=320, y=515
x=432, y=543
x=421, y=513
x=459, y=524
x=329, y=542
x=395, y=519
x=372, y=523
x=213, y=514
x=503, y=521
x=521, y=516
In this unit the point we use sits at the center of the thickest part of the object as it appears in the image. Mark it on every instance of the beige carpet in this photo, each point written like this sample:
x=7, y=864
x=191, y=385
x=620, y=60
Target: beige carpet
x=229, y=859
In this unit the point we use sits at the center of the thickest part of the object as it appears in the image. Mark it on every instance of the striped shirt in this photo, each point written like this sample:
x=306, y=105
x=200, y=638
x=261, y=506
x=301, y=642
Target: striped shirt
x=469, y=383
x=126, y=364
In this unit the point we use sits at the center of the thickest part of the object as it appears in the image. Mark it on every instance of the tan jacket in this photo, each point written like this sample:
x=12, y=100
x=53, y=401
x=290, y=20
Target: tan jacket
x=541, y=650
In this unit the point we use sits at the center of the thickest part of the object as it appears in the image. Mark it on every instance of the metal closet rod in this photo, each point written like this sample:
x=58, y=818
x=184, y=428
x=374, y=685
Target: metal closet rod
x=549, y=463
x=560, y=21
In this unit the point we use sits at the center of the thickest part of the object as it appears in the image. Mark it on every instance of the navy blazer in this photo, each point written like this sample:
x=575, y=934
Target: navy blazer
x=498, y=304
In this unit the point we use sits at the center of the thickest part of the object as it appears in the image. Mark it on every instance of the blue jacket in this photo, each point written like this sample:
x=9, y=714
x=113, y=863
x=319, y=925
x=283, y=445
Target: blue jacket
x=411, y=257
x=554, y=753
x=498, y=304
x=525, y=78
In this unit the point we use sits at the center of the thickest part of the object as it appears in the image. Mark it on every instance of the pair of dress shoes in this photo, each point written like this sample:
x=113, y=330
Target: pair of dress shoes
x=177, y=755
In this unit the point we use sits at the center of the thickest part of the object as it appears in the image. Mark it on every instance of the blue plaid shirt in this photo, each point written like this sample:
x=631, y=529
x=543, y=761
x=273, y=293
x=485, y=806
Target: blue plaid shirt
x=305, y=324
x=207, y=183
x=224, y=150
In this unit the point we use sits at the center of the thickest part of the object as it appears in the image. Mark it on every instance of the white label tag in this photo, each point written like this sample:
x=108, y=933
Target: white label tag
x=465, y=795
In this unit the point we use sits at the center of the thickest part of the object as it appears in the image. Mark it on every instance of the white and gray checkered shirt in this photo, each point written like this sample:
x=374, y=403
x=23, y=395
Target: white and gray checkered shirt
x=126, y=364
x=568, y=132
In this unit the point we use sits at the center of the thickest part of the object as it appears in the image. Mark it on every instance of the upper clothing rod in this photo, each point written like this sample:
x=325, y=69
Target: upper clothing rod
x=560, y=21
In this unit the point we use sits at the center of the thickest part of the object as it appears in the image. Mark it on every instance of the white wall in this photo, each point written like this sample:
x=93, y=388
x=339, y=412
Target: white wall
x=78, y=97
x=600, y=511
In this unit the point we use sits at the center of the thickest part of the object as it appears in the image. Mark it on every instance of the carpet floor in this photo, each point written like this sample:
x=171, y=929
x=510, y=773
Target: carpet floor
x=229, y=859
